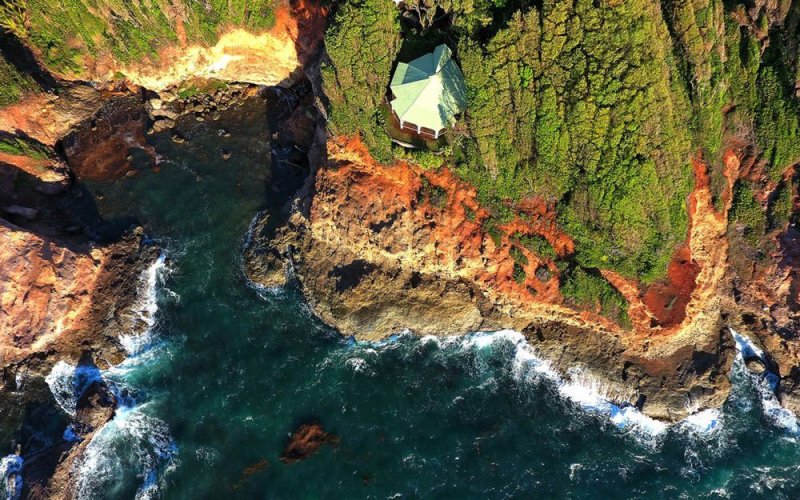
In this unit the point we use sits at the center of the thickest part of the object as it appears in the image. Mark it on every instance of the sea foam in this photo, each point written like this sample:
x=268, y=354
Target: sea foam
x=145, y=308
x=765, y=384
x=577, y=385
x=589, y=394
x=132, y=440
x=68, y=383
x=11, y=465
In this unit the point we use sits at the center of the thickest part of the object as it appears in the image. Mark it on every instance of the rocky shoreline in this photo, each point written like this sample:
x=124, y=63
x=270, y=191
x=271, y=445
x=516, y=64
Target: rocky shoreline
x=70, y=280
x=378, y=250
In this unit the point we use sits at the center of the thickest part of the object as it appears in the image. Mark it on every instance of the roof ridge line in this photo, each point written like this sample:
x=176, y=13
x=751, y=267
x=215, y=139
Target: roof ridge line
x=420, y=94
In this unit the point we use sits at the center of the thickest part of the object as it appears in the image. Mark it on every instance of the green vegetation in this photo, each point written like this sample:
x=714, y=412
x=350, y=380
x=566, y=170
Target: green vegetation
x=208, y=16
x=556, y=112
x=195, y=87
x=748, y=212
x=595, y=105
x=781, y=207
x=588, y=289
x=740, y=68
x=13, y=17
x=435, y=195
x=362, y=43
x=13, y=83
x=519, y=273
x=537, y=244
x=71, y=33
x=777, y=122
x=19, y=146
x=518, y=256
x=428, y=160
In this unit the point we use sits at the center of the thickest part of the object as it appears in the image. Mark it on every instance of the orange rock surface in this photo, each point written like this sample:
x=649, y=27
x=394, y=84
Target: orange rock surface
x=45, y=289
x=51, y=292
x=381, y=248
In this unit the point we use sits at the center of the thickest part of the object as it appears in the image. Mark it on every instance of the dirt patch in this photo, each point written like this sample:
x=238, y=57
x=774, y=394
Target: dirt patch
x=667, y=300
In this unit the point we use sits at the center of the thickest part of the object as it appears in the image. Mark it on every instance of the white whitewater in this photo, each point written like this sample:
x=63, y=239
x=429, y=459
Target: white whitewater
x=135, y=434
x=132, y=440
x=576, y=386
x=139, y=336
x=68, y=383
x=590, y=395
x=765, y=384
x=10, y=474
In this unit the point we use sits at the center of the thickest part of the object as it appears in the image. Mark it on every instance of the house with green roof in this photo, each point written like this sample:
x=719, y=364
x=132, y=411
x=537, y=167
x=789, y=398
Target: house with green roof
x=428, y=92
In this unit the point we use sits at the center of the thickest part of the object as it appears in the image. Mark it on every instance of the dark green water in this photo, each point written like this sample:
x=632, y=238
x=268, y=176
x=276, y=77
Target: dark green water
x=229, y=372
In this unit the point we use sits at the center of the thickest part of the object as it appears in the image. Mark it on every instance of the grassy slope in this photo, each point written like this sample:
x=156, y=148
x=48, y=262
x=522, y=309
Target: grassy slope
x=68, y=33
x=596, y=105
x=14, y=84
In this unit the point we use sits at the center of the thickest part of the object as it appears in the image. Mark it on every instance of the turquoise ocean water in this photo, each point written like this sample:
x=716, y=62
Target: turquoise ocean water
x=220, y=373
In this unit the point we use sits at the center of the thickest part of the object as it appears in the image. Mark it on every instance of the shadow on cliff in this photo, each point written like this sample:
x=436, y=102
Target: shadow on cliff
x=16, y=53
x=71, y=218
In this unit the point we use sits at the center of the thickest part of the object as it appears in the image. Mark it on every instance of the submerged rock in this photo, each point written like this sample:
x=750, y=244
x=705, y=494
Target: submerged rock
x=305, y=441
x=27, y=212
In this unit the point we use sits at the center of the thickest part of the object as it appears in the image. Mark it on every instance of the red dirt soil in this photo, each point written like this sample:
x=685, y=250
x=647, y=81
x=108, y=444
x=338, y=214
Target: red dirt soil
x=667, y=300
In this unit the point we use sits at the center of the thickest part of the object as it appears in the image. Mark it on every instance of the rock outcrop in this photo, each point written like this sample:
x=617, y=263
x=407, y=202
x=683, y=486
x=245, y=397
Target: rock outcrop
x=63, y=298
x=379, y=249
x=305, y=441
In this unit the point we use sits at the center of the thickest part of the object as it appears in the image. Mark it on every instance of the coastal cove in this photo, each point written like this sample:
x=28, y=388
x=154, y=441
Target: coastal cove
x=399, y=249
x=228, y=371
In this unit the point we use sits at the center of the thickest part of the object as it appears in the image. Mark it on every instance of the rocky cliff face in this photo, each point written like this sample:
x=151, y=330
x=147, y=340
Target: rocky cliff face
x=62, y=298
x=379, y=249
x=61, y=301
x=81, y=86
x=383, y=247
x=625, y=255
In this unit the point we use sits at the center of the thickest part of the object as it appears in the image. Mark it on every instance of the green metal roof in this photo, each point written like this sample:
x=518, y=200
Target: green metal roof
x=429, y=91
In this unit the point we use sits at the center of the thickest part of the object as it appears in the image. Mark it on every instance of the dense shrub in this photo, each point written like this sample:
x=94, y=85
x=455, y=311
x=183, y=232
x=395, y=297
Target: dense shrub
x=362, y=43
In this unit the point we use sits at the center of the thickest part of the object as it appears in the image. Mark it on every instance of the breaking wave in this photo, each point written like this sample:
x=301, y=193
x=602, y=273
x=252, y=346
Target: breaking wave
x=765, y=384
x=131, y=443
x=528, y=369
x=133, y=449
x=587, y=393
x=11, y=475
x=140, y=335
x=68, y=383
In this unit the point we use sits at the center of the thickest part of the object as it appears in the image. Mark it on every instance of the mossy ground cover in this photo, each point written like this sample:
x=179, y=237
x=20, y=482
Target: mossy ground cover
x=362, y=43
x=21, y=146
x=597, y=106
x=195, y=87
x=68, y=34
x=586, y=288
x=14, y=84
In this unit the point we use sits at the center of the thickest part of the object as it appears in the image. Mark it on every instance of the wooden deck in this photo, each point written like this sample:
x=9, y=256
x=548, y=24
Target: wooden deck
x=407, y=136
